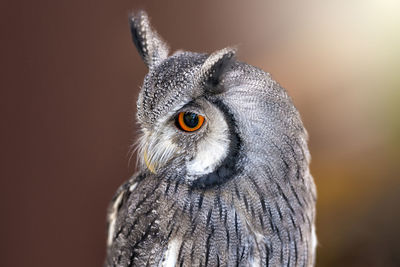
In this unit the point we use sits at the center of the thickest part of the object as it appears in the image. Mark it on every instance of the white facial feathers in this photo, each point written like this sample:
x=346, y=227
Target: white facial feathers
x=213, y=147
x=156, y=148
x=200, y=151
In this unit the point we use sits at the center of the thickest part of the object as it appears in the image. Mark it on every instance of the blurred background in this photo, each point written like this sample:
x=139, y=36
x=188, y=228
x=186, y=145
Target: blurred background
x=70, y=76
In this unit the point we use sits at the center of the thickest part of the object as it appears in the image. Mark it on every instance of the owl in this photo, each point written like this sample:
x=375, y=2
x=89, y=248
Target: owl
x=223, y=174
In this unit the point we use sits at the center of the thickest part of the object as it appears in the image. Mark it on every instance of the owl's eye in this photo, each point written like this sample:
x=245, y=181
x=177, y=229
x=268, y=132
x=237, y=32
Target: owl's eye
x=189, y=121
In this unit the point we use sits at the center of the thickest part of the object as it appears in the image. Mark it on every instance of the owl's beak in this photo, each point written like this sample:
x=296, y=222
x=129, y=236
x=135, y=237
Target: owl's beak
x=148, y=163
x=157, y=149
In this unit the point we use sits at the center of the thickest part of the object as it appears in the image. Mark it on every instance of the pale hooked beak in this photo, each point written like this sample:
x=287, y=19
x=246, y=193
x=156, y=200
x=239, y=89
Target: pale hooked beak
x=157, y=149
x=149, y=164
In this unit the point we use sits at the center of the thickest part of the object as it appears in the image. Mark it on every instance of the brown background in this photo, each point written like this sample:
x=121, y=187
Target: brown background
x=69, y=81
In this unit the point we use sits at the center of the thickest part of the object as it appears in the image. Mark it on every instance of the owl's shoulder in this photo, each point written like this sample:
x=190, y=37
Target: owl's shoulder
x=116, y=202
x=133, y=223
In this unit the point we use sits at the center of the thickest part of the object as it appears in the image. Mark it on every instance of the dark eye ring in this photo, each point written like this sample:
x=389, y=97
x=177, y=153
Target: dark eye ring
x=189, y=121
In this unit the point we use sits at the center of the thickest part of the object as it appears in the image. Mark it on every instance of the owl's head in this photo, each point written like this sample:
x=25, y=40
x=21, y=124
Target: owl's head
x=202, y=115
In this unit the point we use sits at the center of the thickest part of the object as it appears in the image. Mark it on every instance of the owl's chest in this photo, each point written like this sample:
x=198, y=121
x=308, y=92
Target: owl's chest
x=190, y=230
x=166, y=224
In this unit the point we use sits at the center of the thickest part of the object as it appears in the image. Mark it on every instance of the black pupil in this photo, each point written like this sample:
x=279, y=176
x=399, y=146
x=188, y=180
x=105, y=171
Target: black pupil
x=191, y=119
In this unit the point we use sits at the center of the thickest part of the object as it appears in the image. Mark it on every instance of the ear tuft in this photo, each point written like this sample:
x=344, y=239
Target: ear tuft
x=149, y=44
x=214, y=68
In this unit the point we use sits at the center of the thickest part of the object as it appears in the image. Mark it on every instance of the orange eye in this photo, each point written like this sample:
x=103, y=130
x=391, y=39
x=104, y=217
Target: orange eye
x=189, y=121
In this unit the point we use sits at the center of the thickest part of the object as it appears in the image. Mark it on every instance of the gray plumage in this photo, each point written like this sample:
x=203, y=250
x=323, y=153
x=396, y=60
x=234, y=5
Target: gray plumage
x=235, y=192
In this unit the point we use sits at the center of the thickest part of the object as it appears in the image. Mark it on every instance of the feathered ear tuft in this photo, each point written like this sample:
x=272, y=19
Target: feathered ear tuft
x=213, y=69
x=149, y=44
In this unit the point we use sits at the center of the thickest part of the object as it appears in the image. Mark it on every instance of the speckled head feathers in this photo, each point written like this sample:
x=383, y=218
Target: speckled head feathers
x=188, y=74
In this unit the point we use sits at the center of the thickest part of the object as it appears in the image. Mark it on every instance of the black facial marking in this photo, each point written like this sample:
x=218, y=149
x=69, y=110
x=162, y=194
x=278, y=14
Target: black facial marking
x=229, y=166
